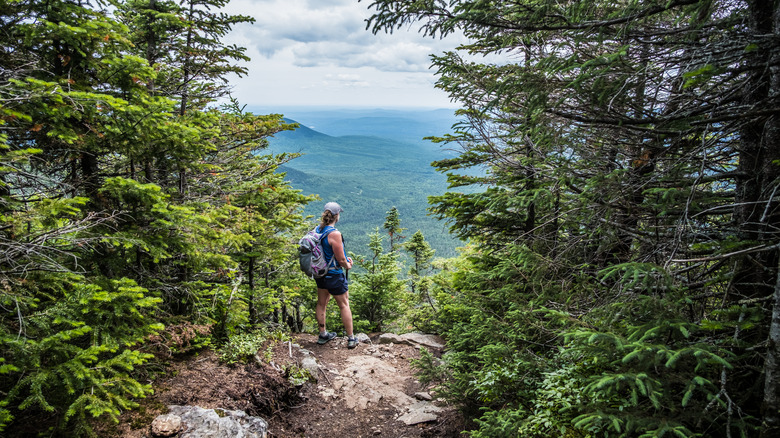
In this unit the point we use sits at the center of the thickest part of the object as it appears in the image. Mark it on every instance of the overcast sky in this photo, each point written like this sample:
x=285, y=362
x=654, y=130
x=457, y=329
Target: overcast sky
x=319, y=53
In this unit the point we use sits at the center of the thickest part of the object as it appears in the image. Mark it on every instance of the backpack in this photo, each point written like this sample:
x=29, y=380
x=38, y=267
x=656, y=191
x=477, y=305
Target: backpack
x=312, y=255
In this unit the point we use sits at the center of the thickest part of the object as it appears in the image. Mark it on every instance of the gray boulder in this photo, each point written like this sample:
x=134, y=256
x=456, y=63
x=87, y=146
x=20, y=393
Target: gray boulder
x=430, y=341
x=413, y=339
x=197, y=422
x=363, y=338
x=310, y=364
x=166, y=425
x=390, y=338
x=420, y=412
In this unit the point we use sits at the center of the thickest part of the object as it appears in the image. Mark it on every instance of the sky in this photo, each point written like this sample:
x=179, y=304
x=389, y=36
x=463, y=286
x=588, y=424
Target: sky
x=319, y=53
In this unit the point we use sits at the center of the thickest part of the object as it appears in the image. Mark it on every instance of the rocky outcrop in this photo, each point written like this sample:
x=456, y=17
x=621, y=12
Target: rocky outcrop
x=413, y=339
x=196, y=422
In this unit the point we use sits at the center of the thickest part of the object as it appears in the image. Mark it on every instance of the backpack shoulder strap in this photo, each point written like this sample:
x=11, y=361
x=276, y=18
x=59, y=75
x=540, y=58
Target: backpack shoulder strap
x=324, y=235
x=326, y=232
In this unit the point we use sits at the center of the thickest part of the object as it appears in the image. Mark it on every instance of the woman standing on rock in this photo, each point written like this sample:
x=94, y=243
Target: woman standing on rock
x=335, y=282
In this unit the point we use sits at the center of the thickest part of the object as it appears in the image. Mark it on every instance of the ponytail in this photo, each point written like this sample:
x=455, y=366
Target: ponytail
x=328, y=218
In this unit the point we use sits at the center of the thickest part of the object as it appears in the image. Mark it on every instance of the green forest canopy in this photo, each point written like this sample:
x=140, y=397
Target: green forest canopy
x=623, y=273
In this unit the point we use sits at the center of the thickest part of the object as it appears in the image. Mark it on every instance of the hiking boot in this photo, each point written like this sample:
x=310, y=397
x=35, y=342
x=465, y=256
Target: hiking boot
x=325, y=337
x=352, y=342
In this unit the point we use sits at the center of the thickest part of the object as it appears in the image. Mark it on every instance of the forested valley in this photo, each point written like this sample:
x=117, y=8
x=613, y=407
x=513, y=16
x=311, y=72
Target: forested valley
x=616, y=183
x=369, y=174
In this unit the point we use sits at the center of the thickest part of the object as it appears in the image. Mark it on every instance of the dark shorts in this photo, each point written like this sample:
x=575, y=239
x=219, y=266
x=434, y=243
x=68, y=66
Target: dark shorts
x=336, y=284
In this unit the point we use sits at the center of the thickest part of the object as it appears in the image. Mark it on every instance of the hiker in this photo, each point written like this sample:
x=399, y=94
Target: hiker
x=335, y=282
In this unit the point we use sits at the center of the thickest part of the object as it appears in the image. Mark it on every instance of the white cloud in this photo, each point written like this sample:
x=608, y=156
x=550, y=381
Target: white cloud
x=340, y=82
x=402, y=57
x=304, y=50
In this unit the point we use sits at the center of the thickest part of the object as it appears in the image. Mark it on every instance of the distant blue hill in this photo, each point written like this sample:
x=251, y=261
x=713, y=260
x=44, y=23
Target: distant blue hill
x=341, y=152
x=302, y=132
x=404, y=129
x=400, y=125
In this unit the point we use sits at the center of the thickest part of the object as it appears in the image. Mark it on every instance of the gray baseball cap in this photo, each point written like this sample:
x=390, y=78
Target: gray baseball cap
x=333, y=207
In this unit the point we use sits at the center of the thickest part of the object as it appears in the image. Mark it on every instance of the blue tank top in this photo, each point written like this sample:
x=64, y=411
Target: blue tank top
x=328, y=250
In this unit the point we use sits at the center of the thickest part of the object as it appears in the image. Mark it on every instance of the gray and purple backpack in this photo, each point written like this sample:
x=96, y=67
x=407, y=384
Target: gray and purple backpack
x=312, y=256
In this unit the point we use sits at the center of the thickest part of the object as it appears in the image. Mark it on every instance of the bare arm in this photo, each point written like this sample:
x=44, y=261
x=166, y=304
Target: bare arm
x=334, y=239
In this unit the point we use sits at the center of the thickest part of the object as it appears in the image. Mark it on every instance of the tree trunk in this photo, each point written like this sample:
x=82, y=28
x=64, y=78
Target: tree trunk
x=755, y=214
x=148, y=172
x=185, y=75
x=182, y=182
x=151, y=46
x=89, y=175
x=298, y=319
x=767, y=223
x=285, y=319
x=530, y=185
x=251, y=299
x=771, y=405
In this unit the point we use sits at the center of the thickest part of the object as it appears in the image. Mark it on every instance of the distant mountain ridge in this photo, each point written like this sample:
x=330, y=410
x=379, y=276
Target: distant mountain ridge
x=346, y=147
x=300, y=132
x=397, y=128
x=401, y=125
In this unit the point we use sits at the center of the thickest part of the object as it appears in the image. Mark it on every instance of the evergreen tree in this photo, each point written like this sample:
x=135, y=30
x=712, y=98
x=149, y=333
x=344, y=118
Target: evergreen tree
x=421, y=253
x=68, y=338
x=420, y=284
x=393, y=227
x=377, y=293
x=239, y=175
x=183, y=43
x=205, y=61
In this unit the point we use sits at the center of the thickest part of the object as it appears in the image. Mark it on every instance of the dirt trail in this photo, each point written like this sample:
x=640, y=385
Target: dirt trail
x=369, y=391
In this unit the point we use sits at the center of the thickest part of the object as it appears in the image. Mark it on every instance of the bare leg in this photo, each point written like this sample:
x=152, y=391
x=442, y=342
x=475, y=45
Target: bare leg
x=323, y=296
x=346, y=312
